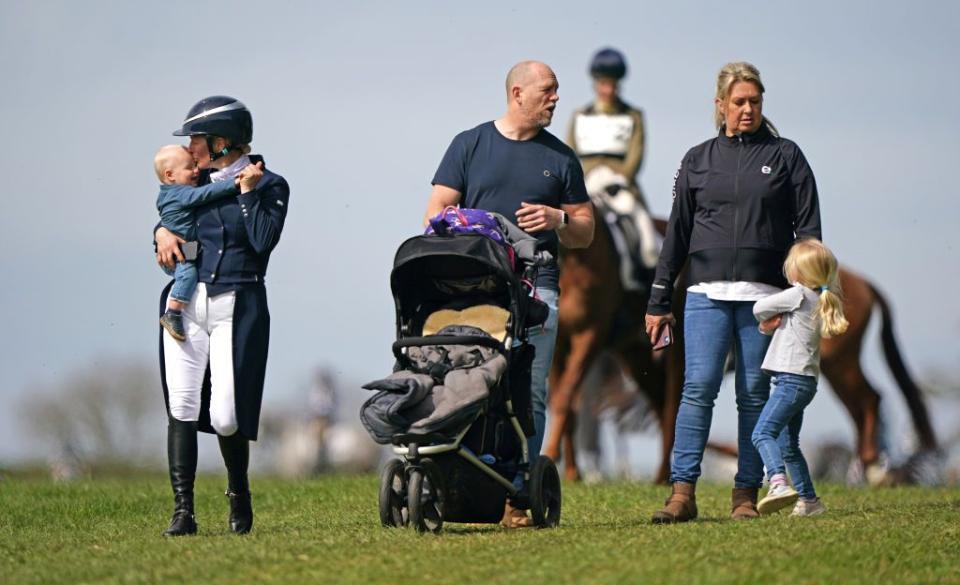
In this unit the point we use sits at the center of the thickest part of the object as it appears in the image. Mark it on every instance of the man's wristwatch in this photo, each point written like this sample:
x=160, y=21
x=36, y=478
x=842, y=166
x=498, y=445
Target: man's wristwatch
x=564, y=222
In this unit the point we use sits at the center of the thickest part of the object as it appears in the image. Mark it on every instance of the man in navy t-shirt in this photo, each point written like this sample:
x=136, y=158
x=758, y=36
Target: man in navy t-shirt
x=514, y=167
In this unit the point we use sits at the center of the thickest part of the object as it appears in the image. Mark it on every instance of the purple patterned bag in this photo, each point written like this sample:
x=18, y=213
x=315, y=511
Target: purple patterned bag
x=456, y=220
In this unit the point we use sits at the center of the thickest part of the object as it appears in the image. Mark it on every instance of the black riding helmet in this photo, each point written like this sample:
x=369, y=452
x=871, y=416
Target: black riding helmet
x=608, y=63
x=221, y=116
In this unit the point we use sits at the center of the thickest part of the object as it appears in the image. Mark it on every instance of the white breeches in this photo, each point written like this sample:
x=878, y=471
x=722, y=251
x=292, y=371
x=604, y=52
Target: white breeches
x=208, y=323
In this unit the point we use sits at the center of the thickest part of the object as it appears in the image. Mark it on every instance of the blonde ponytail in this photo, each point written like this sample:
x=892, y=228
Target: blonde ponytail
x=832, y=321
x=814, y=266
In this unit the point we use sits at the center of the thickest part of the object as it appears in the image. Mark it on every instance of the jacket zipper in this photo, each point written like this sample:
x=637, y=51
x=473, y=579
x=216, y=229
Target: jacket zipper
x=736, y=211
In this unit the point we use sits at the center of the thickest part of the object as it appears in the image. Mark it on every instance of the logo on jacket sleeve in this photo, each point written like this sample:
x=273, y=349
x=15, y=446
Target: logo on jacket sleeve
x=676, y=176
x=765, y=169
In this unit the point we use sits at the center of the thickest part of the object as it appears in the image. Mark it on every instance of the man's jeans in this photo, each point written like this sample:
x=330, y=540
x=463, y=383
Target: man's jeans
x=711, y=328
x=777, y=434
x=544, y=340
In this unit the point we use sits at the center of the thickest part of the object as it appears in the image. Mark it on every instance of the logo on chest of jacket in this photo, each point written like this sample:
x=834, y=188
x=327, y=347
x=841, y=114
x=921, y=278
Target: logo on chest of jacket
x=765, y=169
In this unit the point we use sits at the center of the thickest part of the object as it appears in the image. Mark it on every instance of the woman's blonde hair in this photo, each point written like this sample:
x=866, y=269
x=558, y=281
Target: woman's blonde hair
x=730, y=74
x=814, y=266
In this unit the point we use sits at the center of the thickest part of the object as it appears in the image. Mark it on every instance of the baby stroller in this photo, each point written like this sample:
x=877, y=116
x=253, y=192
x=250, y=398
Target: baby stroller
x=462, y=313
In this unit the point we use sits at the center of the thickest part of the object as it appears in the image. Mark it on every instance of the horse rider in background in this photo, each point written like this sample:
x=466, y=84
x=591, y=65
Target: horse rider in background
x=608, y=137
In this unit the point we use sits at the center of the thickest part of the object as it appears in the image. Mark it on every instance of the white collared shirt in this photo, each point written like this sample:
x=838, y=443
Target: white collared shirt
x=725, y=290
x=230, y=171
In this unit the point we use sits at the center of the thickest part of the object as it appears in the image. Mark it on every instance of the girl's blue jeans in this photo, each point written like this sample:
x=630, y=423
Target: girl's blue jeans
x=777, y=434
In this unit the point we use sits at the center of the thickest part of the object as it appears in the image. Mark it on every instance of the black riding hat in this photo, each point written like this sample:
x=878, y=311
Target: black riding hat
x=219, y=115
x=608, y=63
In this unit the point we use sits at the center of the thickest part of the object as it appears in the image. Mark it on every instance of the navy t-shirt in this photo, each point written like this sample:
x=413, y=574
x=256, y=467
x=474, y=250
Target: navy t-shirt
x=495, y=173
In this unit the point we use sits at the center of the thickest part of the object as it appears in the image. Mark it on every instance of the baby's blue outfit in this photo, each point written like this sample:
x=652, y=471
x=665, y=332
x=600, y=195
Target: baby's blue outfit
x=175, y=204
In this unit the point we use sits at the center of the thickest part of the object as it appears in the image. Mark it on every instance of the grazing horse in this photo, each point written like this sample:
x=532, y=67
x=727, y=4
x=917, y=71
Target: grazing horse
x=597, y=314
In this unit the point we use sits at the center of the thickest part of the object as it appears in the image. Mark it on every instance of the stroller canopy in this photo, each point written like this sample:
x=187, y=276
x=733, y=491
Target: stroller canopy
x=435, y=271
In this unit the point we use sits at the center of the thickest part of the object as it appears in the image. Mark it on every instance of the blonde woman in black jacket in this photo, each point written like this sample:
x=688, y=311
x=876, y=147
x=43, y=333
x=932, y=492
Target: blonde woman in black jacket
x=740, y=201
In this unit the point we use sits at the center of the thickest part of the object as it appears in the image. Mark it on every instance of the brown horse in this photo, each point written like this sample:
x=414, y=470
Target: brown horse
x=596, y=314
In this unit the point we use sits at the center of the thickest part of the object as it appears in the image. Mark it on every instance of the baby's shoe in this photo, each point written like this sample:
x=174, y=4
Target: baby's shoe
x=809, y=508
x=780, y=496
x=173, y=323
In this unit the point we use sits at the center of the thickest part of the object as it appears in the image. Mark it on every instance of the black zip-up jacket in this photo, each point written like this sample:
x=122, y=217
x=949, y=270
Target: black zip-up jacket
x=739, y=203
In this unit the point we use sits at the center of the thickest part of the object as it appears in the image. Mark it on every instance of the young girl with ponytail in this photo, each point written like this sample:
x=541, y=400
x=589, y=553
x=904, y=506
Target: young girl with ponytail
x=798, y=317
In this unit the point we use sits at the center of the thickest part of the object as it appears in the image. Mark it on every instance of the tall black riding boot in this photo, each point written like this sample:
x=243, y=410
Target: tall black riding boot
x=236, y=455
x=182, y=458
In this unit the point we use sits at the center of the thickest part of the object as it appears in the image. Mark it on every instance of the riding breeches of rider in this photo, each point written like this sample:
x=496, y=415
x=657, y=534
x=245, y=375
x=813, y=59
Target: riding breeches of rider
x=208, y=324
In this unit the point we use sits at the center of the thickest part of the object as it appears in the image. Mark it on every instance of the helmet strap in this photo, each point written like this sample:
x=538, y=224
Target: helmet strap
x=214, y=155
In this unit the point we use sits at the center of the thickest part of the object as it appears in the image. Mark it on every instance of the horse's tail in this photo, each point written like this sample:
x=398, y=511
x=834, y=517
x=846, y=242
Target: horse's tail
x=911, y=392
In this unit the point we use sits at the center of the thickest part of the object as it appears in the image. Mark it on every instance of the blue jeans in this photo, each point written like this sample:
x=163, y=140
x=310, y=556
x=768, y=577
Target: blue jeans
x=777, y=434
x=544, y=340
x=711, y=328
x=184, y=281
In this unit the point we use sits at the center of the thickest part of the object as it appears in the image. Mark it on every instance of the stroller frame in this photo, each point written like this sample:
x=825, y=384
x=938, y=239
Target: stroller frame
x=412, y=452
x=412, y=488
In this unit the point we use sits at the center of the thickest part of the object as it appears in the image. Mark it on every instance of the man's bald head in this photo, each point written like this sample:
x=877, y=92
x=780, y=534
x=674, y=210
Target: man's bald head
x=531, y=95
x=526, y=72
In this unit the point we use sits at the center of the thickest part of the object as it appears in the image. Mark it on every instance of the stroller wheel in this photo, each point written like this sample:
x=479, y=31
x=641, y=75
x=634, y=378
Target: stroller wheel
x=393, y=494
x=545, y=493
x=425, y=497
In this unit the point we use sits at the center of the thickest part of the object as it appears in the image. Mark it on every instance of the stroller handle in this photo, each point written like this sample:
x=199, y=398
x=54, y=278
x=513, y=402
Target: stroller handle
x=445, y=340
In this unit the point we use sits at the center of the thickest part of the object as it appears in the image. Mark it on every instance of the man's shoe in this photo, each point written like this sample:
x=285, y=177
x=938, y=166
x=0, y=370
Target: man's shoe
x=173, y=323
x=806, y=508
x=744, y=502
x=241, y=512
x=515, y=518
x=778, y=497
x=681, y=506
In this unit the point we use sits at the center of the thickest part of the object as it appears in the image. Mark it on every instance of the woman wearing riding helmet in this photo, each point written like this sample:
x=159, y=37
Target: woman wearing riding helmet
x=609, y=132
x=213, y=381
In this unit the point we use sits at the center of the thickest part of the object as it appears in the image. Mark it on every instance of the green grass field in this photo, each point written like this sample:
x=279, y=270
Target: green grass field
x=327, y=530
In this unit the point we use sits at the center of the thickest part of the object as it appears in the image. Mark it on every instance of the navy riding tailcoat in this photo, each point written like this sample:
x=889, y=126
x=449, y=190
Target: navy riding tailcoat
x=237, y=235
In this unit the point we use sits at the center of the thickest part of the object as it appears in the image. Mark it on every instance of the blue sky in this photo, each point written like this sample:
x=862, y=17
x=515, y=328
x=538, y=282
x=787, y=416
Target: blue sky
x=355, y=105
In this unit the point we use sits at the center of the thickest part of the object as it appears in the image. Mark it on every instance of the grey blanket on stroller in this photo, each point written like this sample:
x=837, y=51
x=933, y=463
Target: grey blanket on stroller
x=445, y=387
x=523, y=243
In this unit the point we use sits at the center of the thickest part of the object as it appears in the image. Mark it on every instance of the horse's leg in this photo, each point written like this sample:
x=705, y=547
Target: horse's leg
x=861, y=401
x=583, y=348
x=654, y=376
x=571, y=471
x=557, y=405
x=840, y=364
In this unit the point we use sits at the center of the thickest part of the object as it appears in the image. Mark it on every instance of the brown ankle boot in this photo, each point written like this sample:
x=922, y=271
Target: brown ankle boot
x=681, y=505
x=745, y=504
